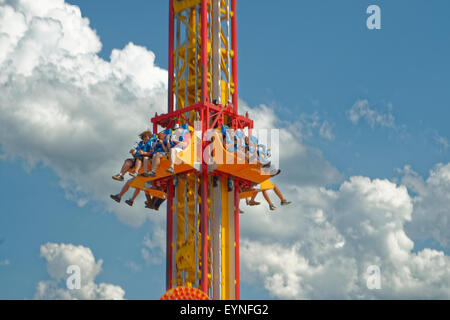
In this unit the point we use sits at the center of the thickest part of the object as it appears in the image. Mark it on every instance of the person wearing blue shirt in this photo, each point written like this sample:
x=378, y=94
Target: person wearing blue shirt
x=140, y=153
x=159, y=151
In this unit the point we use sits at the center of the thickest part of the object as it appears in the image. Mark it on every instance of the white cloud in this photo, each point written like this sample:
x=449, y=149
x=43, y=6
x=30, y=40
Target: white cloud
x=4, y=263
x=321, y=246
x=59, y=257
x=154, y=248
x=64, y=107
x=362, y=110
x=431, y=215
x=300, y=164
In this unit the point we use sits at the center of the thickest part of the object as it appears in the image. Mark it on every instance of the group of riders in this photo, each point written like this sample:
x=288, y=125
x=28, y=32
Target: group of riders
x=168, y=143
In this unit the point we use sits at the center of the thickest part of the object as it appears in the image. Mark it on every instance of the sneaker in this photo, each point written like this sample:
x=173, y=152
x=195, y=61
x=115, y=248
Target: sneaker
x=285, y=202
x=254, y=203
x=147, y=205
x=170, y=170
x=133, y=174
x=147, y=174
x=115, y=197
x=129, y=202
x=240, y=211
x=118, y=177
x=272, y=207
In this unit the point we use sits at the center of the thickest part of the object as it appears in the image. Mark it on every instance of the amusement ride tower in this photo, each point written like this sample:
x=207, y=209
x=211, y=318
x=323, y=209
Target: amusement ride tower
x=203, y=193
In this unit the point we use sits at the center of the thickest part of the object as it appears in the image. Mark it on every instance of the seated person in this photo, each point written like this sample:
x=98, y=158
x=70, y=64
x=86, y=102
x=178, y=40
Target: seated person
x=277, y=191
x=251, y=156
x=177, y=142
x=159, y=151
x=236, y=141
x=118, y=197
x=139, y=156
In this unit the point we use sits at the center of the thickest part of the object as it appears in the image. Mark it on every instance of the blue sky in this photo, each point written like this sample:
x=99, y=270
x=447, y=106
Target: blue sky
x=309, y=61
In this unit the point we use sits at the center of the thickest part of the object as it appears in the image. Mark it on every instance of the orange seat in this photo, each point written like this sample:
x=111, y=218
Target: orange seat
x=185, y=162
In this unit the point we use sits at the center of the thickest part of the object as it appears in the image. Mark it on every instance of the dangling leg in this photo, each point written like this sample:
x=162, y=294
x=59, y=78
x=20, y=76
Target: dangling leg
x=252, y=201
x=137, y=167
x=172, y=157
x=277, y=191
x=135, y=194
x=125, y=167
x=118, y=197
x=271, y=206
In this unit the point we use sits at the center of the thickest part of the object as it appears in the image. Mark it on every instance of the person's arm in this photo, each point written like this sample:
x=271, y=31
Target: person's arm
x=167, y=145
x=163, y=145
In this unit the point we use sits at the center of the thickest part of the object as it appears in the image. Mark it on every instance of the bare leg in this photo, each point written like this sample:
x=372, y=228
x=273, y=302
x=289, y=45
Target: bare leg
x=135, y=194
x=138, y=165
x=264, y=192
x=252, y=201
x=155, y=162
x=126, y=166
x=172, y=156
x=145, y=164
x=124, y=189
x=278, y=193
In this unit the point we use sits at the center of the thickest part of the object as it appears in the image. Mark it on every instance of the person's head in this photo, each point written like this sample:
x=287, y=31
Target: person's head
x=161, y=136
x=146, y=135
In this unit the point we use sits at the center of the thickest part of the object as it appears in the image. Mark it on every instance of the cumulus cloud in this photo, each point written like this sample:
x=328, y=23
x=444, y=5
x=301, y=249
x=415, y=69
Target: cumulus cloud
x=305, y=164
x=154, y=248
x=431, y=197
x=323, y=245
x=64, y=107
x=5, y=262
x=362, y=110
x=59, y=258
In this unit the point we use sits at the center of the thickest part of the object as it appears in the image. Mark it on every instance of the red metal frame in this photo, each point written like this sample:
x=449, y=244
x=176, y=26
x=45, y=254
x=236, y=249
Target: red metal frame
x=211, y=116
x=239, y=121
x=169, y=222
